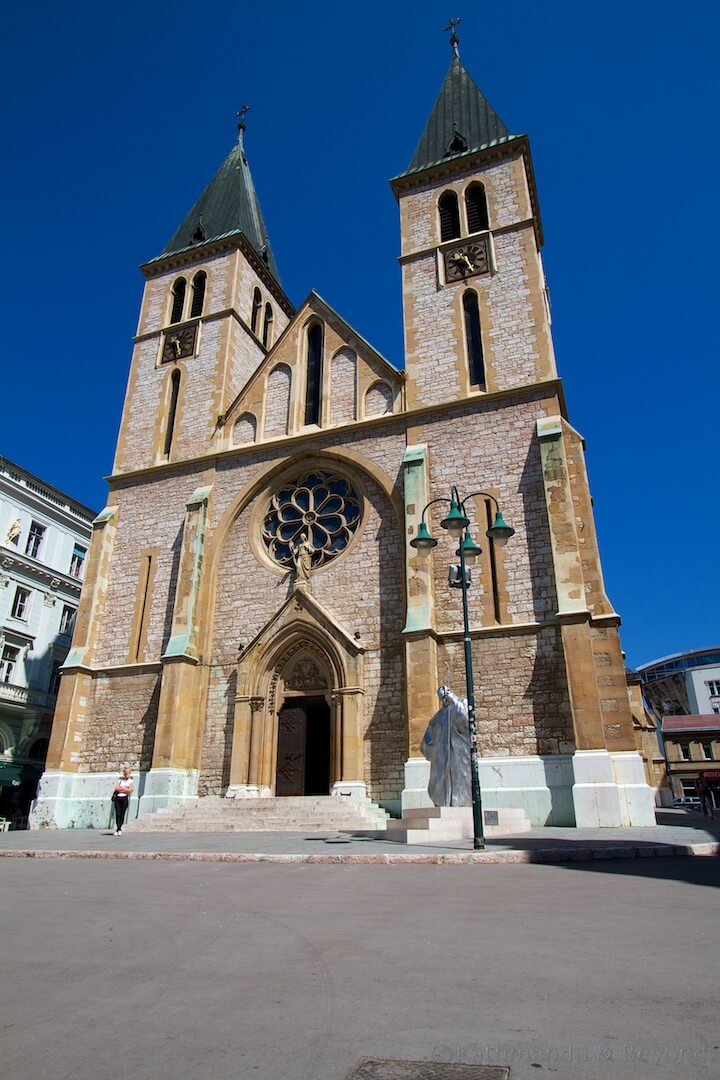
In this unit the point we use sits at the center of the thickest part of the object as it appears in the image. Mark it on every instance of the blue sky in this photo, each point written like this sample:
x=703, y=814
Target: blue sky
x=117, y=117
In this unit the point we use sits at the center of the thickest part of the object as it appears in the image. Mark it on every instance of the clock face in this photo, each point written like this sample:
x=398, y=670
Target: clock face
x=179, y=343
x=466, y=260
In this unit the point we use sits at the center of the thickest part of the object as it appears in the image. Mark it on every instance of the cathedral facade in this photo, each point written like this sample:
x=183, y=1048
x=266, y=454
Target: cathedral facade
x=255, y=619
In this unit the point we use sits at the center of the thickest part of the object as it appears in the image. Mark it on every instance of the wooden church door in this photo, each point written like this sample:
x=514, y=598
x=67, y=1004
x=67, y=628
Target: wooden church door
x=292, y=726
x=303, y=756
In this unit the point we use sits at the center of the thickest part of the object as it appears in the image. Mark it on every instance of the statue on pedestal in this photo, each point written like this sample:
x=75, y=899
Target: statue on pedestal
x=302, y=554
x=446, y=745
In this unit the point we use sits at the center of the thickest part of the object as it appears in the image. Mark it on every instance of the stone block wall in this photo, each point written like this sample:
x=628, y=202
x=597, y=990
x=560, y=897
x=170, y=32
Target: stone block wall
x=492, y=447
x=227, y=354
x=343, y=391
x=362, y=590
x=514, y=316
x=149, y=515
x=121, y=722
x=521, y=693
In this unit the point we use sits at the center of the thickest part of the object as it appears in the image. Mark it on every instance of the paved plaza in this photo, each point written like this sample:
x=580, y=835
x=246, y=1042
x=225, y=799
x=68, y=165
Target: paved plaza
x=677, y=832
x=177, y=970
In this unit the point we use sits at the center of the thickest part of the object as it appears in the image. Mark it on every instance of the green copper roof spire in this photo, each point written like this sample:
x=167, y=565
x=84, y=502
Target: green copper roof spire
x=228, y=204
x=462, y=120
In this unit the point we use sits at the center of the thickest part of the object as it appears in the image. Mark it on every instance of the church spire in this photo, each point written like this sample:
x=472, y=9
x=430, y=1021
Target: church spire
x=454, y=39
x=228, y=204
x=462, y=120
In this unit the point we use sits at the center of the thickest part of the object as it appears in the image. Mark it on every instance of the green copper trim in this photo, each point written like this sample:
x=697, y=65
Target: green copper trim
x=200, y=495
x=105, y=515
x=419, y=604
x=178, y=646
x=74, y=658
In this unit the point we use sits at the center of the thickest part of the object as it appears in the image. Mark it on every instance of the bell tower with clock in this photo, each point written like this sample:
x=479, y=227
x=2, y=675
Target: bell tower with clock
x=211, y=310
x=475, y=310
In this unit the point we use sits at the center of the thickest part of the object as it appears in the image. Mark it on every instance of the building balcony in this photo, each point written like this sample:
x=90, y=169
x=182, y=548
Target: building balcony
x=24, y=696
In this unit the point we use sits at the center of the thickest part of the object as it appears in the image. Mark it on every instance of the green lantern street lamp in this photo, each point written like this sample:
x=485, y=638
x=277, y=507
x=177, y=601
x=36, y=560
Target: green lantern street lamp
x=424, y=542
x=469, y=549
x=500, y=531
x=456, y=523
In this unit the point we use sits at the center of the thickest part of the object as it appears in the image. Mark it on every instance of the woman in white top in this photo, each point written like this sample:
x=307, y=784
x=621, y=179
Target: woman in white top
x=121, y=798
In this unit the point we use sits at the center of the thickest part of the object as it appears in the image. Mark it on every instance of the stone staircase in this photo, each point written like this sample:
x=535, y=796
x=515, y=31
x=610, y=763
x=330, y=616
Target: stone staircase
x=312, y=813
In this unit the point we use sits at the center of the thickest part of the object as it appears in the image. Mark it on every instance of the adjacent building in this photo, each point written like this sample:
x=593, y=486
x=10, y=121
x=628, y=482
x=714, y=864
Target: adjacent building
x=684, y=684
x=648, y=741
x=692, y=751
x=257, y=621
x=44, y=542
x=682, y=693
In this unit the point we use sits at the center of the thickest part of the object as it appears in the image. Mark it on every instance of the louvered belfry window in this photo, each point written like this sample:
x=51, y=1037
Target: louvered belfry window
x=178, y=300
x=267, y=327
x=449, y=216
x=314, y=373
x=198, y=294
x=473, y=339
x=476, y=206
x=255, y=314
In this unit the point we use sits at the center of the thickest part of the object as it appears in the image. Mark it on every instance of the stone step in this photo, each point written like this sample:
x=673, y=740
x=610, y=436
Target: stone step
x=288, y=814
x=203, y=826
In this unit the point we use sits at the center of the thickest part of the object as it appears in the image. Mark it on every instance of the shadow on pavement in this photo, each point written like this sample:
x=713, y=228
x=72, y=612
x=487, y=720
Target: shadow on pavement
x=692, y=869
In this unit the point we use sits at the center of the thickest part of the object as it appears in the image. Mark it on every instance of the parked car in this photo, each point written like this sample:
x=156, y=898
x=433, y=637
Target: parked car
x=688, y=802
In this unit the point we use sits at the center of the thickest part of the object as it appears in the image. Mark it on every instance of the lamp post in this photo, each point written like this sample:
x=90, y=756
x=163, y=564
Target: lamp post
x=457, y=524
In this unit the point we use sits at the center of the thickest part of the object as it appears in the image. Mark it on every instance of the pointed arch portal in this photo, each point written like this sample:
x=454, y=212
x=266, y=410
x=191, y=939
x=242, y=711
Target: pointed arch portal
x=298, y=719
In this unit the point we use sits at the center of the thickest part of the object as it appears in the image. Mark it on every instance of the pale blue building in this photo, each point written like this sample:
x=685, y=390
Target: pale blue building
x=44, y=541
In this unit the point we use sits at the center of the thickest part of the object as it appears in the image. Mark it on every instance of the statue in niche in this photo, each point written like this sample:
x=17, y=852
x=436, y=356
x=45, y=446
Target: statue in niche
x=446, y=745
x=302, y=554
x=13, y=532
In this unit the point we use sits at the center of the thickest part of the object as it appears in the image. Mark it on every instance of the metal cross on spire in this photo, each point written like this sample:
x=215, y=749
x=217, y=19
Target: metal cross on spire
x=244, y=110
x=454, y=39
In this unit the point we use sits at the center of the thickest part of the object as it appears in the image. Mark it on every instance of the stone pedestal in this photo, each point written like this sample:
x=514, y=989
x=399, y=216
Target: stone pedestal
x=542, y=786
x=443, y=824
x=415, y=792
x=610, y=790
x=637, y=799
x=68, y=800
x=165, y=788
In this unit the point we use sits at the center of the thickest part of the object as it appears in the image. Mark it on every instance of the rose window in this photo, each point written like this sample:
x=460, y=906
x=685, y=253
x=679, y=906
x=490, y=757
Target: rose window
x=322, y=507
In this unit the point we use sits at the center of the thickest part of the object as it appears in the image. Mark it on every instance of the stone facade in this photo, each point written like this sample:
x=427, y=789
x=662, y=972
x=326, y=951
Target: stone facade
x=203, y=632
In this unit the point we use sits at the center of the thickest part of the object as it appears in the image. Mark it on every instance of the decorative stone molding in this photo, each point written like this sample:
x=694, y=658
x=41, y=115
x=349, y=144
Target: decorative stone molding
x=306, y=676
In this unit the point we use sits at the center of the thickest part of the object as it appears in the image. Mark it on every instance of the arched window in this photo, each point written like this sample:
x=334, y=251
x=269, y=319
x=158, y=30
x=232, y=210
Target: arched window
x=473, y=339
x=314, y=373
x=476, y=206
x=178, y=300
x=267, y=327
x=172, y=411
x=198, y=294
x=449, y=216
x=255, y=315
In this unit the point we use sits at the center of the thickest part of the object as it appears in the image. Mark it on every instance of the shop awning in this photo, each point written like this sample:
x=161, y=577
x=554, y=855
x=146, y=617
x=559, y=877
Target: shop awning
x=13, y=773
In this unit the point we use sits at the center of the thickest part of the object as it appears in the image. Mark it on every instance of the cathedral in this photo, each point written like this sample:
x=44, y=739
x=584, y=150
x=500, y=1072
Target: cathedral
x=256, y=620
